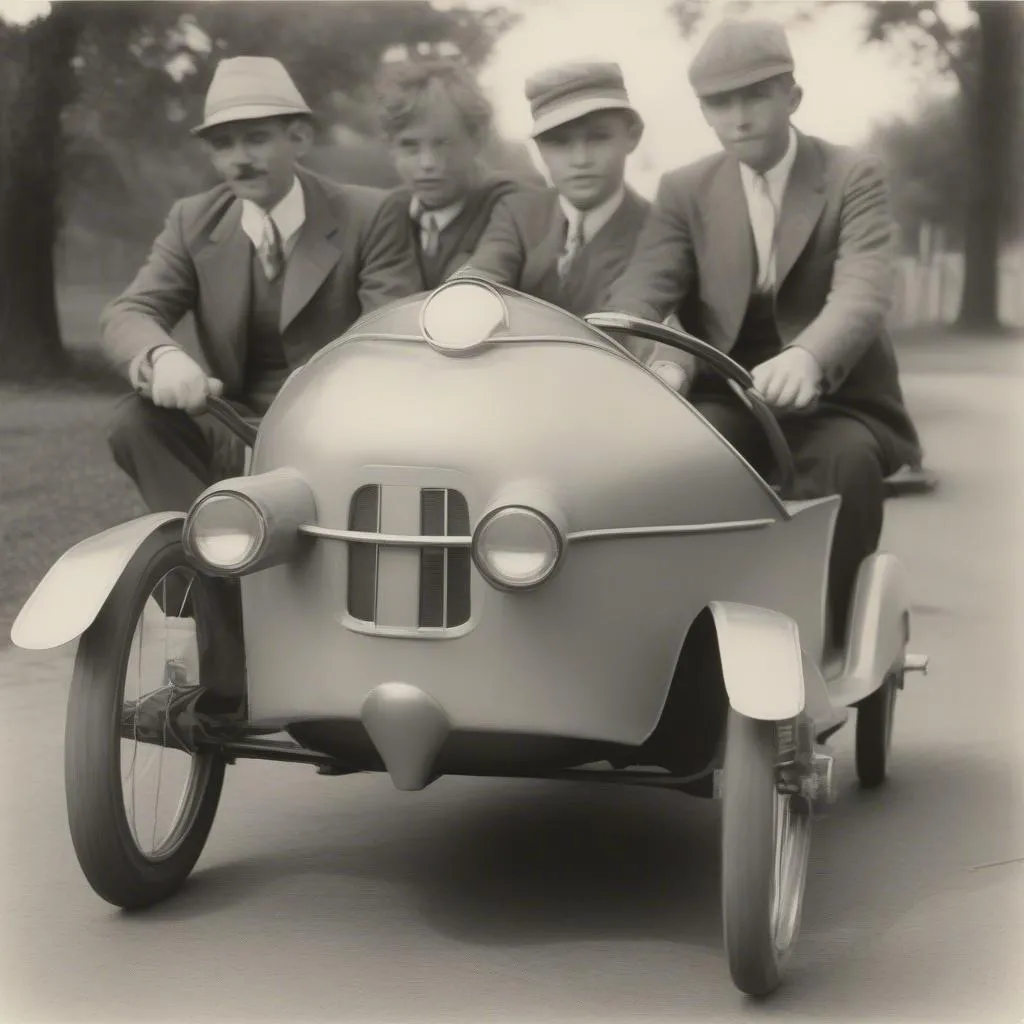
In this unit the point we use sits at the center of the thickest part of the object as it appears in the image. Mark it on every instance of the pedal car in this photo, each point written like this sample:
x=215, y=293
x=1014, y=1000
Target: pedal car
x=476, y=536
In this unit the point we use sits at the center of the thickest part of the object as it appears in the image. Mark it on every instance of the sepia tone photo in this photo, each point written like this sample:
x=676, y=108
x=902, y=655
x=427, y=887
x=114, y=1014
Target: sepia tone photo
x=511, y=511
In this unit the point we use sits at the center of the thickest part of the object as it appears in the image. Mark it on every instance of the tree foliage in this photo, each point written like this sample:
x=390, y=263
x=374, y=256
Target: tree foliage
x=95, y=97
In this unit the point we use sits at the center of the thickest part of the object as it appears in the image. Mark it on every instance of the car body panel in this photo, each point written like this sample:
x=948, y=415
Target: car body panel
x=71, y=594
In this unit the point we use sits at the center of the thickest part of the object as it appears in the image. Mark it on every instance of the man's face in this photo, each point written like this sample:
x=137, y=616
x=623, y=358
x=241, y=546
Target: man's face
x=435, y=155
x=257, y=158
x=586, y=158
x=752, y=123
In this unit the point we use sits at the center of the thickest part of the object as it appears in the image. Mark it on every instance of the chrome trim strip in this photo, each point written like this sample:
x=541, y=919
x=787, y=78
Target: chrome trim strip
x=389, y=539
x=398, y=540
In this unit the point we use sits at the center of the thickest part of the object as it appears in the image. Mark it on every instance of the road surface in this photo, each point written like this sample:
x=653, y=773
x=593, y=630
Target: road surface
x=341, y=899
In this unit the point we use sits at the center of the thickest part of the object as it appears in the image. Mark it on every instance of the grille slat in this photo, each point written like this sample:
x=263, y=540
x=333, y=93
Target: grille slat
x=362, y=558
x=444, y=573
x=432, y=560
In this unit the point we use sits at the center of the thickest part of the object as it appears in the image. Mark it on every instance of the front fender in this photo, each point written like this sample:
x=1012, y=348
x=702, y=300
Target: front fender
x=70, y=596
x=762, y=663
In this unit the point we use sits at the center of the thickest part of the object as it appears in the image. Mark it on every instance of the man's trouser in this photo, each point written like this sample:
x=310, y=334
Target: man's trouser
x=172, y=458
x=834, y=454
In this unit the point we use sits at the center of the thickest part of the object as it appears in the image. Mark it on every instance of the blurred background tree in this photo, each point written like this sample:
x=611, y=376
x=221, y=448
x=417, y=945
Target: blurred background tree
x=958, y=164
x=96, y=98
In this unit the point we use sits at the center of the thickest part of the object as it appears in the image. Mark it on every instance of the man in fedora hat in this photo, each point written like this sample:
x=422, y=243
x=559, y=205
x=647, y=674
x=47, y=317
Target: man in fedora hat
x=437, y=122
x=273, y=264
x=567, y=244
x=779, y=251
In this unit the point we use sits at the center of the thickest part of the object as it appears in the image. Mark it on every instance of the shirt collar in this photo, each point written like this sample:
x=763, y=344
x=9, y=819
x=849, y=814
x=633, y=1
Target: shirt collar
x=595, y=219
x=778, y=176
x=289, y=215
x=442, y=216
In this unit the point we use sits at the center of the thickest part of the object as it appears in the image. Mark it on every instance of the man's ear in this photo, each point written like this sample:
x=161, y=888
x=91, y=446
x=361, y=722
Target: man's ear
x=301, y=133
x=636, y=133
x=796, y=95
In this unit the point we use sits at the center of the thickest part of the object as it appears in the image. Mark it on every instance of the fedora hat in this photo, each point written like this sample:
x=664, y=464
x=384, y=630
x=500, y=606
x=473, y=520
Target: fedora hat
x=560, y=94
x=249, y=88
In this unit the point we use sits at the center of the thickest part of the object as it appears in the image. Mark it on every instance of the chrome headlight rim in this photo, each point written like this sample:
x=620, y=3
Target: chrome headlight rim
x=255, y=551
x=499, y=582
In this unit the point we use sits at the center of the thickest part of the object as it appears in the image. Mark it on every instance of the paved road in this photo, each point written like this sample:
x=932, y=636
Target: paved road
x=342, y=899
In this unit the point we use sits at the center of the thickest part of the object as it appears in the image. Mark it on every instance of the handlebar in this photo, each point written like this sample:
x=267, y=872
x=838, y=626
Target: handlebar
x=738, y=379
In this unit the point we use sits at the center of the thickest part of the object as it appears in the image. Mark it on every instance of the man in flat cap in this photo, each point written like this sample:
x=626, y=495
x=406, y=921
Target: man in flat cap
x=273, y=264
x=780, y=252
x=437, y=122
x=567, y=244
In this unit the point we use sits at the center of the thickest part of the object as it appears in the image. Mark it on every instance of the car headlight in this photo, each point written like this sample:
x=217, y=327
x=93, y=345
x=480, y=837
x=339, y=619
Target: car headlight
x=226, y=532
x=516, y=547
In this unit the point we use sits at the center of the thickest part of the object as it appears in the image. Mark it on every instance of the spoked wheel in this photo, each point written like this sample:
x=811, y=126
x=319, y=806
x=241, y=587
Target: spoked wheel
x=139, y=813
x=875, y=715
x=766, y=840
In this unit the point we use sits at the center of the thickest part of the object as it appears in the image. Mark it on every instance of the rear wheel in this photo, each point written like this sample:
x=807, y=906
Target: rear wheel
x=139, y=813
x=766, y=838
x=875, y=715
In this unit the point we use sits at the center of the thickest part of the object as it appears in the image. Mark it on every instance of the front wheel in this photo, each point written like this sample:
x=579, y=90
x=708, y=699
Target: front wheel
x=139, y=813
x=766, y=838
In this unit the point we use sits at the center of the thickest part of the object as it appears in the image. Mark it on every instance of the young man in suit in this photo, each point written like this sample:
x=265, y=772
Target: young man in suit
x=273, y=264
x=567, y=244
x=437, y=122
x=779, y=251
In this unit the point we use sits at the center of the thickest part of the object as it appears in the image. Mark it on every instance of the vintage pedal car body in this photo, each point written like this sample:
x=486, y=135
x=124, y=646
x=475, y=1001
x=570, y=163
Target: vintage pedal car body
x=477, y=536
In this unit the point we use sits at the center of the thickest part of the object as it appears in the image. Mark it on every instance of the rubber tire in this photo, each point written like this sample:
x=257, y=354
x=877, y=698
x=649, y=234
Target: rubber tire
x=748, y=856
x=873, y=740
x=112, y=863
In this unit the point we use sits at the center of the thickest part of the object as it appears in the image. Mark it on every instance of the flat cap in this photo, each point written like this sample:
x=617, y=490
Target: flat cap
x=567, y=91
x=740, y=53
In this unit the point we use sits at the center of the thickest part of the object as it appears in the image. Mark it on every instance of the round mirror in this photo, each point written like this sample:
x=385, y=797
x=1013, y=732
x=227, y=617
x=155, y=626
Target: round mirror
x=461, y=316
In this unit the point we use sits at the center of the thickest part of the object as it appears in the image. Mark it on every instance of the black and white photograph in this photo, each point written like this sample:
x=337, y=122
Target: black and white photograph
x=511, y=511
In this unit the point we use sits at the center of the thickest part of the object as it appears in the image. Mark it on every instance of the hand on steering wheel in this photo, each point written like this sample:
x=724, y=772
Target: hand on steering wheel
x=789, y=382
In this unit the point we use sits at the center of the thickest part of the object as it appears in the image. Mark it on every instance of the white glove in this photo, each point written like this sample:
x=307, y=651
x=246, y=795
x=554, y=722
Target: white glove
x=671, y=373
x=179, y=382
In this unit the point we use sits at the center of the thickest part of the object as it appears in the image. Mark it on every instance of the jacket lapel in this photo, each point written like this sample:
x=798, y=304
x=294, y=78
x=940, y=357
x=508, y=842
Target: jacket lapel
x=802, y=206
x=727, y=271
x=541, y=268
x=314, y=256
x=224, y=267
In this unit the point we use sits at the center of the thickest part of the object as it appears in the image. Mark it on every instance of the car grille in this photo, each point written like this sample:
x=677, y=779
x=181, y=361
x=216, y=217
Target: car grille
x=443, y=573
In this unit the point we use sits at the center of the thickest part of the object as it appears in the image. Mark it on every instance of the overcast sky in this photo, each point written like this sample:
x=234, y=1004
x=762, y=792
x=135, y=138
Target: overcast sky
x=847, y=86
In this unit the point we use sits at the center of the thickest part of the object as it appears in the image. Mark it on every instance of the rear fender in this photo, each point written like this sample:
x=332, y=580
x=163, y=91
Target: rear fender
x=879, y=628
x=69, y=597
x=762, y=663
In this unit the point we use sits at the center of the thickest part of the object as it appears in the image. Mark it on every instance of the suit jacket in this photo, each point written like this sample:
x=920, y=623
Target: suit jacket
x=460, y=237
x=526, y=235
x=348, y=259
x=834, y=274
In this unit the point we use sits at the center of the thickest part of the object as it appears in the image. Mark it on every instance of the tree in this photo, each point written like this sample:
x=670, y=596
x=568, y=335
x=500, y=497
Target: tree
x=30, y=130
x=108, y=84
x=984, y=56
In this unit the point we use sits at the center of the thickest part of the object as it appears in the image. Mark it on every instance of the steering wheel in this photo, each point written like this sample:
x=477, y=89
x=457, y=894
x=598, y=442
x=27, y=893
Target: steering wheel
x=735, y=376
x=244, y=429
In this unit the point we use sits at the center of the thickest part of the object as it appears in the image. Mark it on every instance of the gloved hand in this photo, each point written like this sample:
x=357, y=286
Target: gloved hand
x=179, y=382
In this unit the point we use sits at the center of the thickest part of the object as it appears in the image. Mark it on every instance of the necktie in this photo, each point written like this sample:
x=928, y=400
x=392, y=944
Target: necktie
x=430, y=234
x=765, y=222
x=573, y=244
x=270, y=251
